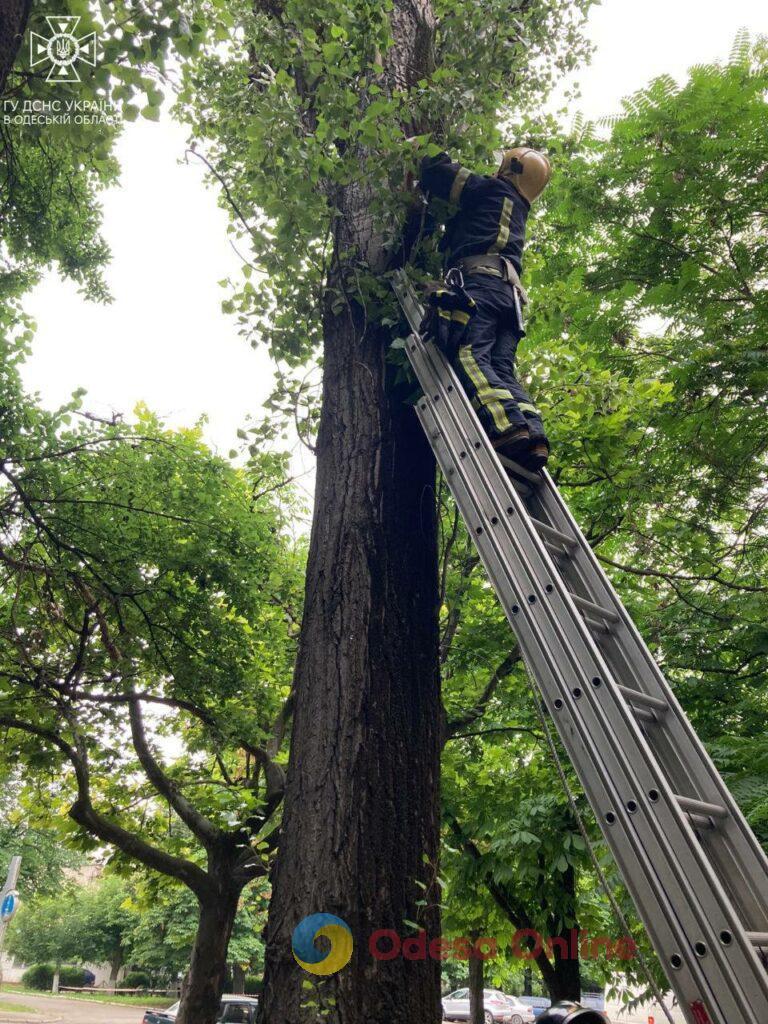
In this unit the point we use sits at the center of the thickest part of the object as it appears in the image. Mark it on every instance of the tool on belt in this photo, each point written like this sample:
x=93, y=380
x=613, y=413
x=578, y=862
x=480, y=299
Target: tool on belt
x=497, y=266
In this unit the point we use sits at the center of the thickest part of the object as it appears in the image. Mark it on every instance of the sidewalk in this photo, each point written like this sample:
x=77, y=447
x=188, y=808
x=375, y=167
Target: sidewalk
x=618, y=1015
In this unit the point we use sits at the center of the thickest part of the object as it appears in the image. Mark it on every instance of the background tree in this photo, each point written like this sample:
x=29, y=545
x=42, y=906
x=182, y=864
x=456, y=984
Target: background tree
x=44, y=932
x=164, y=922
x=146, y=591
x=106, y=921
x=26, y=832
x=646, y=347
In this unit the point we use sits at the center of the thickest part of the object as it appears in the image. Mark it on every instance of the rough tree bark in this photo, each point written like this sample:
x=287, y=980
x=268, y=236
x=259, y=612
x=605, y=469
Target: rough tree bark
x=476, y=985
x=565, y=981
x=361, y=802
x=361, y=816
x=14, y=15
x=207, y=970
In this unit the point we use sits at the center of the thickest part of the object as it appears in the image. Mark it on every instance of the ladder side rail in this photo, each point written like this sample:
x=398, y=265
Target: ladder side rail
x=664, y=927
x=731, y=845
x=743, y=854
x=681, y=823
x=416, y=315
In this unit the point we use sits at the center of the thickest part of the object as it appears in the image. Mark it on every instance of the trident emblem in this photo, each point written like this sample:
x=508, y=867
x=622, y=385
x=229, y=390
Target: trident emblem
x=62, y=49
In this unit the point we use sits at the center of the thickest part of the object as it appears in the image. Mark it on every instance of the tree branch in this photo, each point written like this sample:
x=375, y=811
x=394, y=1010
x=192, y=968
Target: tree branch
x=85, y=814
x=512, y=909
x=196, y=822
x=476, y=712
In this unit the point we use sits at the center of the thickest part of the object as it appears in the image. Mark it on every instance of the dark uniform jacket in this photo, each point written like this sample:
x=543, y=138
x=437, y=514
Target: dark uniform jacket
x=491, y=214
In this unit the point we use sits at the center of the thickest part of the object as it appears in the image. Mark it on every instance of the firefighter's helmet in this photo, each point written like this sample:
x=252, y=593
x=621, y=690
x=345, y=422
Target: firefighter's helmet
x=528, y=171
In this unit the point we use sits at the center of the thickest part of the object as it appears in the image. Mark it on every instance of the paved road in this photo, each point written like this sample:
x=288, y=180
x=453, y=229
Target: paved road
x=69, y=1011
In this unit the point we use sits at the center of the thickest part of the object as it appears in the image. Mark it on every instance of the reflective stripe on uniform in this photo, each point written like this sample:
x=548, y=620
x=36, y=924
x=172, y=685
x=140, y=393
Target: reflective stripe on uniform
x=458, y=184
x=527, y=407
x=487, y=396
x=503, y=236
x=460, y=316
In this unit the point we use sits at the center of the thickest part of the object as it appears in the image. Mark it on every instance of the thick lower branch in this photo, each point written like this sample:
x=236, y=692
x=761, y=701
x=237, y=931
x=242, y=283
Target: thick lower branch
x=84, y=813
x=197, y=823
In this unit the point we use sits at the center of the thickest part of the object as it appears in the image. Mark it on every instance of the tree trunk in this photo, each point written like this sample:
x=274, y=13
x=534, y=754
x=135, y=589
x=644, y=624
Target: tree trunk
x=201, y=993
x=361, y=802
x=360, y=824
x=238, y=979
x=14, y=15
x=55, y=982
x=565, y=980
x=476, y=986
x=527, y=982
x=114, y=967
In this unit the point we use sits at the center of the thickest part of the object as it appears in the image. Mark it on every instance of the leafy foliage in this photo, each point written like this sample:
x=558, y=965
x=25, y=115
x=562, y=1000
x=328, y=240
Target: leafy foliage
x=44, y=858
x=43, y=932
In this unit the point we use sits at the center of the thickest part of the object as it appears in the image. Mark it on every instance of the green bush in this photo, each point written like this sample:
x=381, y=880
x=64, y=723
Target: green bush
x=135, y=979
x=252, y=985
x=39, y=977
x=72, y=976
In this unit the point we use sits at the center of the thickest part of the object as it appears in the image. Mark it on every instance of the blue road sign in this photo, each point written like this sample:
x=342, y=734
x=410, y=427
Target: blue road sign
x=9, y=905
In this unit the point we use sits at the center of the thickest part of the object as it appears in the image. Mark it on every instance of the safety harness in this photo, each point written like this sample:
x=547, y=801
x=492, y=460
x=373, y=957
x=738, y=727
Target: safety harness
x=496, y=266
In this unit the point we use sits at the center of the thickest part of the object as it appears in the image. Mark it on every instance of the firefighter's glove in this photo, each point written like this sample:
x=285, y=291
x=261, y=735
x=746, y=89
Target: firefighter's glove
x=447, y=319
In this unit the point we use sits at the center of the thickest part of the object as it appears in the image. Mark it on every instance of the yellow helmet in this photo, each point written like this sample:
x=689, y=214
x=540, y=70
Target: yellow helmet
x=528, y=171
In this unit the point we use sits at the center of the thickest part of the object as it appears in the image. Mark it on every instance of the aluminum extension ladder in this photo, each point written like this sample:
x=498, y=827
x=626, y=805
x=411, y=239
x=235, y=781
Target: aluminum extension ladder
x=695, y=870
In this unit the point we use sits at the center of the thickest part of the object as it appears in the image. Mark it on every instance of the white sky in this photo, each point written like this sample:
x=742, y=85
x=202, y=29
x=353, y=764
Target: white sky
x=166, y=342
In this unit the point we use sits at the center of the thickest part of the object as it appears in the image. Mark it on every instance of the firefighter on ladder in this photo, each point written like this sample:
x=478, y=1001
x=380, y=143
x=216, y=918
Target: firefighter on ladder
x=483, y=248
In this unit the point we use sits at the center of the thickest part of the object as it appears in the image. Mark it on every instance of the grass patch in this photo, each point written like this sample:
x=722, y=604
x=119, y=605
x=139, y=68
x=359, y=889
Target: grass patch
x=15, y=1007
x=158, y=1002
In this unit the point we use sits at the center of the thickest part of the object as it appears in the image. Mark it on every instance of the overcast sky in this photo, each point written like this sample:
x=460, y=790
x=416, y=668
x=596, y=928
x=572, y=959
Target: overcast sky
x=165, y=341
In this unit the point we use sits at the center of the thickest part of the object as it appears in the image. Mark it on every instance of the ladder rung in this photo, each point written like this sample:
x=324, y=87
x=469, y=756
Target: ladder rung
x=555, y=551
x=595, y=626
x=549, y=531
x=637, y=697
x=699, y=821
x=701, y=807
x=644, y=715
x=521, y=487
x=516, y=468
x=595, y=609
x=758, y=938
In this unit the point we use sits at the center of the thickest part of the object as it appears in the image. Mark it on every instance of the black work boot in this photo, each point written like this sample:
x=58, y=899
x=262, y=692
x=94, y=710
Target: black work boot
x=536, y=453
x=513, y=443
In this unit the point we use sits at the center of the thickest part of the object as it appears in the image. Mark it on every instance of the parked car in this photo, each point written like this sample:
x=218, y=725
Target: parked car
x=498, y=1007
x=233, y=1010
x=521, y=1014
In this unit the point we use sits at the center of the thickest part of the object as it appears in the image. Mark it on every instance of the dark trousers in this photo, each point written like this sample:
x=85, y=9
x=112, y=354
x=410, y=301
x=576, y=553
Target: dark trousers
x=486, y=361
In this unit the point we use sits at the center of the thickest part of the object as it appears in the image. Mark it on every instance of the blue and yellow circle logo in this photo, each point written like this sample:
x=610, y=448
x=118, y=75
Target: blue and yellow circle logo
x=309, y=956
